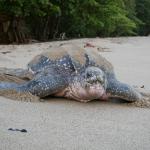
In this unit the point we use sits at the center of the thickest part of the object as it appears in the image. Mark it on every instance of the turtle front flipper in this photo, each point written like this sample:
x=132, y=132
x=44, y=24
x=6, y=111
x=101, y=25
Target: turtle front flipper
x=15, y=75
x=39, y=87
x=45, y=85
x=123, y=91
x=145, y=99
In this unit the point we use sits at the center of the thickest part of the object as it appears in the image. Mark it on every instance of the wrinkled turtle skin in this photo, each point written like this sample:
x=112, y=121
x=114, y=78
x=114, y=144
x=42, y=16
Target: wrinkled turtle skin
x=67, y=71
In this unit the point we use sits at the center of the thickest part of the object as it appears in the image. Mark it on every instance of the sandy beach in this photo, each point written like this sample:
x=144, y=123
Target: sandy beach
x=61, y=124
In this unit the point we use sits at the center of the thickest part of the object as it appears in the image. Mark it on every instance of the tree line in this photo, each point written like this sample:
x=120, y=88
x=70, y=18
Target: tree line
x=43, y=20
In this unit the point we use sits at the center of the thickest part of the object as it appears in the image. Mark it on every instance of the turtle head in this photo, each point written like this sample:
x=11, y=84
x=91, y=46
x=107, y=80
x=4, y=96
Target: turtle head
x=94, y=79
x=92, y=84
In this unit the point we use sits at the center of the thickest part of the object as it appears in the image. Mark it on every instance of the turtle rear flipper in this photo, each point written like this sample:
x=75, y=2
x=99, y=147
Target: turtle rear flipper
x=10, y=78
x=15, y=75
x=12, y=91
x=39, y=87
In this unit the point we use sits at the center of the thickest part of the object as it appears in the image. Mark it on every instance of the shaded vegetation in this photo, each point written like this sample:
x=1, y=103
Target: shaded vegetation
x=22, y=20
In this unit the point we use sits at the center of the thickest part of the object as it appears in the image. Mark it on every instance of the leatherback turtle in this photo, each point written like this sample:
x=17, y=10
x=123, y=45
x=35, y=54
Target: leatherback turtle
x=67, y=71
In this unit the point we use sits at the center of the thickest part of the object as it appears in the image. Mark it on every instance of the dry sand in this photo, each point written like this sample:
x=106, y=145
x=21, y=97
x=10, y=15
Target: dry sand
x=61, y=124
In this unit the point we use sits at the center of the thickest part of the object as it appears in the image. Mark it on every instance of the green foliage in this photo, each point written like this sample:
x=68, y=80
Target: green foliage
x=23, y=8
x=47, y=19
x=83, y=18
x=96, y=17
x=116, y=22
x=143, y=13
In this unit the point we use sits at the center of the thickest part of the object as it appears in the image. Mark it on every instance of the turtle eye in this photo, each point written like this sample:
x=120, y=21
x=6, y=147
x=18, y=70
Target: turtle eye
x=89, y=75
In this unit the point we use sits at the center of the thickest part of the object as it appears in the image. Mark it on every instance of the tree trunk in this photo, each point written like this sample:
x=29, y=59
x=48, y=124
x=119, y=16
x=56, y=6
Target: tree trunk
x=11, y=30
